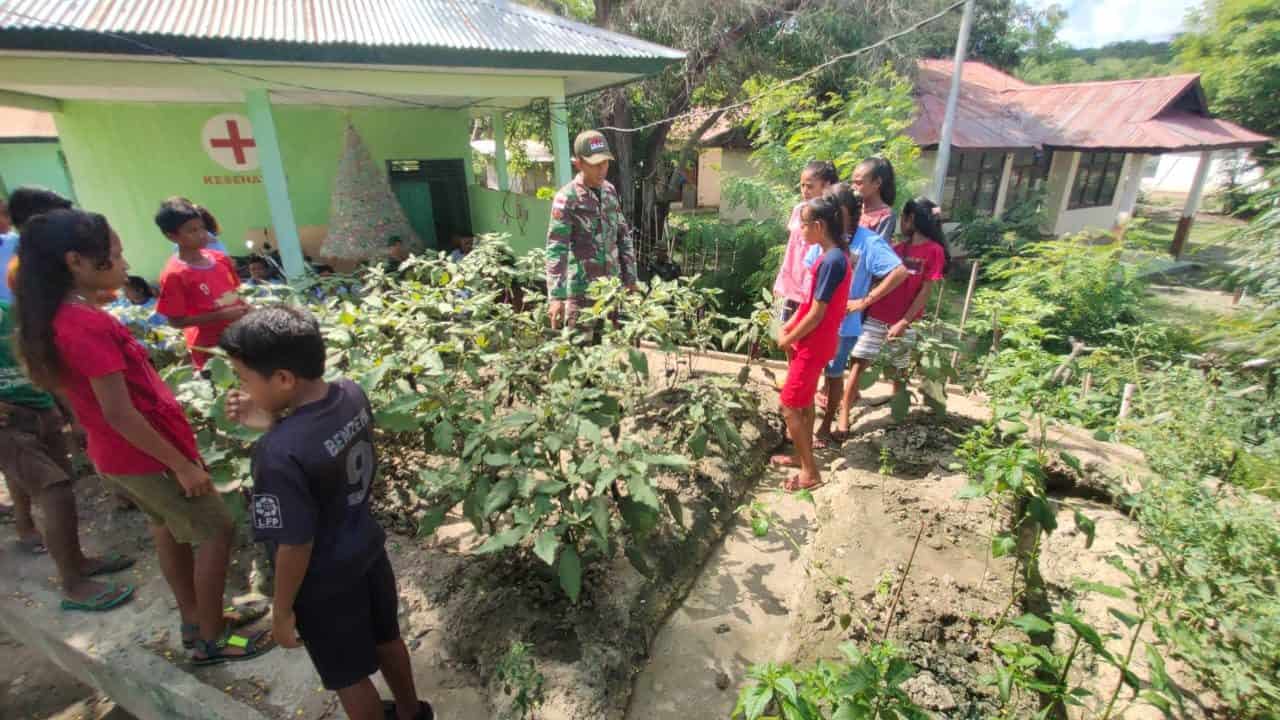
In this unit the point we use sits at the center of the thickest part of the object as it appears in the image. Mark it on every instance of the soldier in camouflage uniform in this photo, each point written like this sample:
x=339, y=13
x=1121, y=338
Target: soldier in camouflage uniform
x=588, y=237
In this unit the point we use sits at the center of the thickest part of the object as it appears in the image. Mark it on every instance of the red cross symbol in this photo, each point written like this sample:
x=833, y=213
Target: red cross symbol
x=234, y=141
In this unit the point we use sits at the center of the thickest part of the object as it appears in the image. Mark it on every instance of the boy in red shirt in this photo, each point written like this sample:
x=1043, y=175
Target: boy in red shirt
x=198, y=286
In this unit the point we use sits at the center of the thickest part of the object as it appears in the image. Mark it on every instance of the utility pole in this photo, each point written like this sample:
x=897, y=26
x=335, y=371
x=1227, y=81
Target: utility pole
x=949, y=119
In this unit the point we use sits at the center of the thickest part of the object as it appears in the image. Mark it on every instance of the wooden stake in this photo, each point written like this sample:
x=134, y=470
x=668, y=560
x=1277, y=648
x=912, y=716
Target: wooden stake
x=1088, y=383
x=995, y=330
x=942, y=290
x=1126, y=400
x=964, y=313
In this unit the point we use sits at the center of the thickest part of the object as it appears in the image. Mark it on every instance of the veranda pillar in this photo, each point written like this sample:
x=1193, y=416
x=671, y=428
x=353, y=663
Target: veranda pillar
x=1193, y=204
x=275, y=181
x=500, y=150
x=1002, y=193
x=1132, y=184
x=560, y=140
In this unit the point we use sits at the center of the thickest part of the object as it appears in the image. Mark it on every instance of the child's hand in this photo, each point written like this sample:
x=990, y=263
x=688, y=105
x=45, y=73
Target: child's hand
x=556, y=309
x=896, y=330
x=195, y=480
x=241, y=409
x=284, y=628
x=856, y=305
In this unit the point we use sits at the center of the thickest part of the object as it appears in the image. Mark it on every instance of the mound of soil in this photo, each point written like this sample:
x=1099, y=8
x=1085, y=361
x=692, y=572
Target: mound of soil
x=589, y=653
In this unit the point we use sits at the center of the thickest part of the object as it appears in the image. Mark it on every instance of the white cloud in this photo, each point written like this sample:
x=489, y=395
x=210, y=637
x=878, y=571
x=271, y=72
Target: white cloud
x=1091, y=23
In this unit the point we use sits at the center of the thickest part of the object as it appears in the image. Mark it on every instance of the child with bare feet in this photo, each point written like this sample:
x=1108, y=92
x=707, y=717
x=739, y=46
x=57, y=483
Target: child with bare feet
x=811, y=336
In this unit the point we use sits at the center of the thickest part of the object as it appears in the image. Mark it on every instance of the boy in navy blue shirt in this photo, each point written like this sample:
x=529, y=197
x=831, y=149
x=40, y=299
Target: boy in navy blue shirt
x=313, y=472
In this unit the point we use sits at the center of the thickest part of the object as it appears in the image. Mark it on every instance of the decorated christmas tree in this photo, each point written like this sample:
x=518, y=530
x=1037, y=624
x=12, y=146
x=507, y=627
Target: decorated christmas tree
x=363, y=213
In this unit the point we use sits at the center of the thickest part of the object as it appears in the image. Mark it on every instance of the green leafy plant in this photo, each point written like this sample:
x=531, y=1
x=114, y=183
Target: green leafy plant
x=864, y=684
x=521, y=681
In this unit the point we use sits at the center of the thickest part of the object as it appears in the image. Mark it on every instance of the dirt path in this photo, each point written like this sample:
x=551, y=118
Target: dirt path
x=733, y=617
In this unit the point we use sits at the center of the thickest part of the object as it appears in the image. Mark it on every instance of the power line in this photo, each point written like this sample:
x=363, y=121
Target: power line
x=791, y=81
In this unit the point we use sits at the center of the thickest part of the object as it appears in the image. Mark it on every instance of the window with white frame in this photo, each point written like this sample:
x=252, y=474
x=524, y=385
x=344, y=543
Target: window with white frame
x=1096, y=180
x=973, y=181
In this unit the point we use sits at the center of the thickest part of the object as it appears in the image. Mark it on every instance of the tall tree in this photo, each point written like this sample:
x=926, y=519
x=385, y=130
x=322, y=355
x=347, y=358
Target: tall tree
x=1235, y=45
x=1004, y=34
x=727, y=42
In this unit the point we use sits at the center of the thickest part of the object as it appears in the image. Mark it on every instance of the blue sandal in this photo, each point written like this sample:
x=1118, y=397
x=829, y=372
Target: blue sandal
x=112, y=597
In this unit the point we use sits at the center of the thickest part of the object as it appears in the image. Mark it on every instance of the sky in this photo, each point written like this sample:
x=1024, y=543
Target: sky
x=1092, y=23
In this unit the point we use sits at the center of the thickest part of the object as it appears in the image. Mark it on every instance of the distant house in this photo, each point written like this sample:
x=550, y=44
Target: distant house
x=1085, y=145
x=1175, y=173
x=539, y=174
x=30, y=153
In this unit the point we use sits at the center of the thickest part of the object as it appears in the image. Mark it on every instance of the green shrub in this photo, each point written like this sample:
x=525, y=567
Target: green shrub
x=987, y=239
x=1089, y=287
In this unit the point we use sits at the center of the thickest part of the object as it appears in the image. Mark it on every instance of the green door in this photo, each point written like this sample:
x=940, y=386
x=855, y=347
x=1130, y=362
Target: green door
x=414, y=194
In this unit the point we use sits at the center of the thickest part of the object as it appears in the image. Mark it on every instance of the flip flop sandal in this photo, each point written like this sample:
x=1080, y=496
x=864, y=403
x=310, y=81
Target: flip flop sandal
x=113, y=563
x=214, y=651
x=235, y=616
x=793, y=485
x=32, y=547
x=425, y=711
x=112, y=597
x=783, y=460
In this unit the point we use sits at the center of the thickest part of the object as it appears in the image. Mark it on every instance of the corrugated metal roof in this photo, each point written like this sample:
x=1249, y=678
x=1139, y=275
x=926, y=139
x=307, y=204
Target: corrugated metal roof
x=16, y=123
x=997, y=111
x=494, y=26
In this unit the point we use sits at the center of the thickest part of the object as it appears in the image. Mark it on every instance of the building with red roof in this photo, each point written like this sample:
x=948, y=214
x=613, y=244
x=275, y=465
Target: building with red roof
x=1084, y=145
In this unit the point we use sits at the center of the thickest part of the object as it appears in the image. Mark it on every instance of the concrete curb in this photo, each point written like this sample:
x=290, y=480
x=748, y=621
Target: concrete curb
x=132, y=676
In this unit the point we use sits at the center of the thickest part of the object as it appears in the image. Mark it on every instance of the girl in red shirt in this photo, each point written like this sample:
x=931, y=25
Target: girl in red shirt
x=886, y=326
x=810, y=338
x=138, y=434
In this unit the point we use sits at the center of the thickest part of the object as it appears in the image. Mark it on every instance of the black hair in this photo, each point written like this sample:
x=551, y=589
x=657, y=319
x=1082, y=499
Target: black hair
x=174, y=213
x=277, y=337
x=141, y=285
x=927, y=220
x=826, y=210
x=823, y=170
x=259, y=260
x=210, y=222
x=322, y=268
x=394, y=240
x=29, y=201
x=44, y=280
x=882, y=170
x=846, y=198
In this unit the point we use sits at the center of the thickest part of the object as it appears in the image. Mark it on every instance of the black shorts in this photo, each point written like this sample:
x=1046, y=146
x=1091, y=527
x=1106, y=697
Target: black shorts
x=343, y=630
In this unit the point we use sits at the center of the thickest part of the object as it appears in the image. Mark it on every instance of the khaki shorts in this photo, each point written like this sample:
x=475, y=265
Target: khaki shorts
x=191, y=520
x=33, y=448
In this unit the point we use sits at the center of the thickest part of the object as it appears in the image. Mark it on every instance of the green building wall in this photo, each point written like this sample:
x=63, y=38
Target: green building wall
x=128, y=157
x=34, y=163
x=523, y=218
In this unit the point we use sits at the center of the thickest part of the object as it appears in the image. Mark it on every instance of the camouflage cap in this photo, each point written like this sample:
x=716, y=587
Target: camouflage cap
x=592, y=147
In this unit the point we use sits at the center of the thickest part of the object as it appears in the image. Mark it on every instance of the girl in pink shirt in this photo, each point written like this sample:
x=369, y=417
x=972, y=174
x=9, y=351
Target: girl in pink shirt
x=792, y=283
